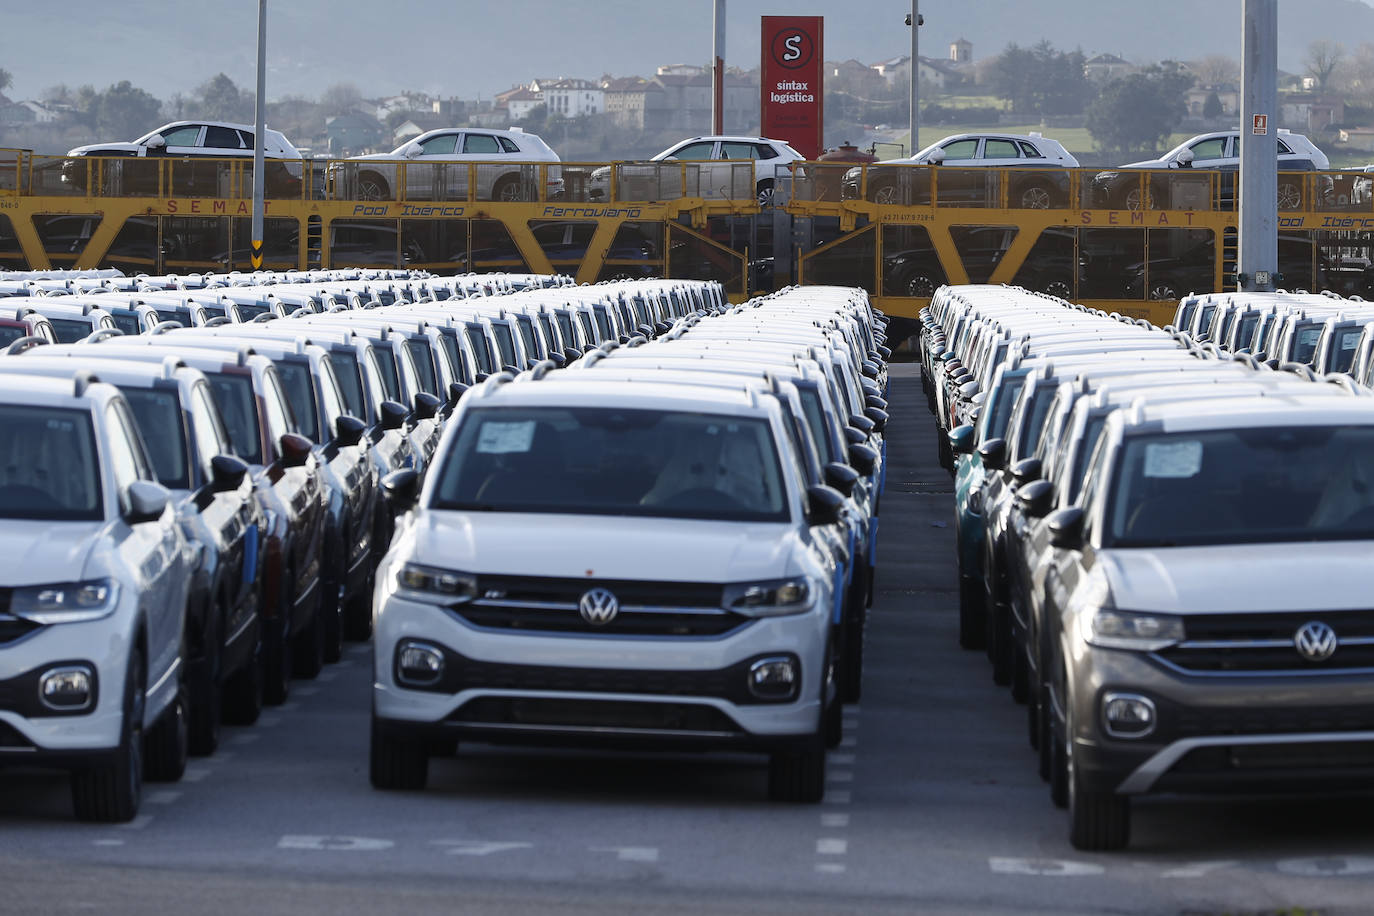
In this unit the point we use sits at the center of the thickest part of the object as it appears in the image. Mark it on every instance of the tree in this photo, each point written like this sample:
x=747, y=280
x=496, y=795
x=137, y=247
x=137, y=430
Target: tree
x=6, y=79
x=1323, y=59
x=221, y=100
x=1040, y=80
x=340, y=98
x=125, y=110
x=1212, y=107
x=1216, y=70
x=1138, y=111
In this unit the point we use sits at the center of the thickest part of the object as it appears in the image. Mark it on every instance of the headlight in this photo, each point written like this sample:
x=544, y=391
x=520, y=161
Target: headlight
x=772, y=598
x=1112, y=629
x=68, y=602
x=435, y=586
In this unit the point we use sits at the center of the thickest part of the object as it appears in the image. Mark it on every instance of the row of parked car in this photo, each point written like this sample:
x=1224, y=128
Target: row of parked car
x=194, y=514
x=1160, y=542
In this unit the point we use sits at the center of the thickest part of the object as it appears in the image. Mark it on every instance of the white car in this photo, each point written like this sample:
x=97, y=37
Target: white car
x=93, y=594
x=1047, y=186
x=436, y=167
x=717, y=178
x=693, y=607
x=185, y=139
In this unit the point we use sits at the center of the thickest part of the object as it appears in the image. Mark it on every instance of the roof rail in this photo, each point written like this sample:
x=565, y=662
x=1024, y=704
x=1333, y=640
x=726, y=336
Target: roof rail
x=100, y=335
x=1341, y=380
x=542, y=368
x=217, y=321
x=24, y=343
x=162, y=327
x=81, y=381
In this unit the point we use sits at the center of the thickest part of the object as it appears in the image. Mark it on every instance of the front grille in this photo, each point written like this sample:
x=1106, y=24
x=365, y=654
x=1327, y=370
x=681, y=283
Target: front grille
x=549, y=605
x=1262, y=643
x=5, y=594
x=604, y=715
x=1192, y=722
x=13, y=628
x=1316, y=755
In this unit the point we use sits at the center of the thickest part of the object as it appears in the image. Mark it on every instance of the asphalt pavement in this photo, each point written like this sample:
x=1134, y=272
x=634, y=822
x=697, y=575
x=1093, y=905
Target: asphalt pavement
x=933, y=804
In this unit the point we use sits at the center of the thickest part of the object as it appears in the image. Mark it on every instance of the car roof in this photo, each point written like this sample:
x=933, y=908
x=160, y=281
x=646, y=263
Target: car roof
x=561, y=390
x=1289, y=407
x=42, y=391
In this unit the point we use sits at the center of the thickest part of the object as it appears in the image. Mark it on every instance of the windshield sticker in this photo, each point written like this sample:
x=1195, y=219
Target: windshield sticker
x=1348, y=341
x=505, y=438
x=1173, y=459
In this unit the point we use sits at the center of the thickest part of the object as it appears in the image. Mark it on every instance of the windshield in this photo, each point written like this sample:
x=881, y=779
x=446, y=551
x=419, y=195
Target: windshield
x=504, y=343
x=1307, y=483
x=1305, y=341
x=386, y=363
x=1003, y=400
x=424, y=363
x=350, y=382
x=70, y=330
x=233, y=395
x=48, y=466
x=300, y=391
x=1343, y=349
x=603, y=461
x=158, y=415
x=250, y=310
x=125, y=321
x=814, y=409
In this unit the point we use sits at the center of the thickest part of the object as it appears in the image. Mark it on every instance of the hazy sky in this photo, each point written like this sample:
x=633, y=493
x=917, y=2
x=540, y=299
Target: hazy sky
x=464, y=48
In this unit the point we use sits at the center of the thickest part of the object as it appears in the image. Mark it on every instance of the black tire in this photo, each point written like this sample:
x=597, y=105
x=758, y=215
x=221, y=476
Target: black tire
x=1098, y=821
x=851, y=673
x=885, y=192
x=331, y=619
x=206, y=708
x=308, y=647
x=243, y=692
x=397, y=765
x=1059, y=758
x=110, y=792
x=797, y=776
x=357, y=615
x=1036, y=195
x=277, y=649
x=832, y=710
x=1020, y=674
x=972, y=627
x=507, y=189
x=1044, y=744
x=372, y=186
x=169, y=742
x=764, y=192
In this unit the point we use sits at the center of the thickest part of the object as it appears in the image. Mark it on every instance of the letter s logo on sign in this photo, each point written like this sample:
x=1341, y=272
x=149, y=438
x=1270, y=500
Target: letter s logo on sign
x=792, y=44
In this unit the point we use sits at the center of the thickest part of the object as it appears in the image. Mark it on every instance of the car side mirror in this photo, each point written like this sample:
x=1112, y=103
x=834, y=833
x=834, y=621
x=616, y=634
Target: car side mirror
x=841, y=477
x=1036, y=498
x=394, y=415
x=412, y=150
x=571, y=354
x=854, y=436
x=824, y=505
x=884, y=352
x=936, y=157
x=146, y=501
x=295, y=450
x=863, y=458
x=1066, y=528
x=1026, y=470
x=870, y=369
x=348, y=431
x=227, y=473
x=961, y=439
x=456, y=390
x=401, y=488
x=994, y=454
x=874, y=400
x=864, y=424
x=156, y=141
x=426, y=405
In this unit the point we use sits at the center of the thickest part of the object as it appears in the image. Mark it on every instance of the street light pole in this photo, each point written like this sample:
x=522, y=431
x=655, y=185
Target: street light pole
x=914, y=20
x=1259, y=155
x=718, y=71
x=259, y=118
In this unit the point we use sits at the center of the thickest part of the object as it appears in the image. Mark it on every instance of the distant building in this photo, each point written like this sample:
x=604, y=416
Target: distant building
x=418, y=123
x=961, y=51
x=520, y=102
x=571, y=98
x=1310, y=113
x=679, y=70
x=1104, y=67
x=635, y=103
x=940, y=74
x=352, y=132
x=28, y=112
x=687, y=102
x=1228, y=95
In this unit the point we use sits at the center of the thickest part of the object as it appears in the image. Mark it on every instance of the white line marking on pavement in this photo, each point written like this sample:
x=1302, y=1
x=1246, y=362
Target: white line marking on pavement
x=360, y=648
x=834, y=820
x=245, y=738
x=849, y=741
x=223, y=756
x=107, y=842
x=324, y=677
x=162, y=797
x=477, y=847
x=830, y=868
x=1053, y=868
x=831, y=846
x=1197, y=869
x=850, y=724
x=138, y=823
x=837, y=797
x=334, y=843
x=839, y=776
x=630, y=853
x=194, y=774
x=268, y=721
x=840, y=759
x=1327, y=866
x=289, y=706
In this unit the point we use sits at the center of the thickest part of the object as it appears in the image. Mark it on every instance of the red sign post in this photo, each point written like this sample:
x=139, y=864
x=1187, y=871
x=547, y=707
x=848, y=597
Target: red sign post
x=792, y=82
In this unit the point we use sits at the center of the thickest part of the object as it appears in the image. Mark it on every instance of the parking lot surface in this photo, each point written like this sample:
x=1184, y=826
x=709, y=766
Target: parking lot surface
x=933, y=804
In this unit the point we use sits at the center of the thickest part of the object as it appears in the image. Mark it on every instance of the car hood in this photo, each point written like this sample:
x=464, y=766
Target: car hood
x=96, y=149
x=1325, y=575
x=603, y=547
x=389, y=157
x=40, y=552
x=1146, y=164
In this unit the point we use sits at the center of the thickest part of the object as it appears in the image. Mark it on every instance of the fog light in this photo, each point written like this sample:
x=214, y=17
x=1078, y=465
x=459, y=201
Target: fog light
x=66, y=689
x=1128, y=715
x=774, y=678
x=419, y=664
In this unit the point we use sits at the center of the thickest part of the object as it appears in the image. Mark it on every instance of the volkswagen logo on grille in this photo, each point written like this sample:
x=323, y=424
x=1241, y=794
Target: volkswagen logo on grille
x=598, y=607
x=1315, y=641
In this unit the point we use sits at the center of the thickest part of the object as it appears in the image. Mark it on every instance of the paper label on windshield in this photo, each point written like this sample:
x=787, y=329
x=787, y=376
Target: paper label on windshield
x=505, y=438
x=1348, y=341
x=1173, y=459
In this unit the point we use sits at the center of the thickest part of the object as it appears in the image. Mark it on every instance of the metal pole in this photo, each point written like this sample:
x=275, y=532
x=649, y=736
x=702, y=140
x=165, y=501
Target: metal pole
x=915, y=75
x=259, y=117
x=1259, y=240
x=718, y=71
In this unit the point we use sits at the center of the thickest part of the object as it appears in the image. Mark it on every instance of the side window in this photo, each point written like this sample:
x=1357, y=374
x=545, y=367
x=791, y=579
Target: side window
x=127, y=460
x=1029, y=151
x=182, y=136
x=1284, y=148
x=764, y=151
x=206, y=430
x=442, y=145
x=961, y=149
x=222, y=138
x=1214, y=148
x=738, y=151
x=999, y=149
x=280, y=420
x=1092, y=483
x=695, y=151
x=508, y=145
x=481, y=144
x=247, y=138
x=330, y=398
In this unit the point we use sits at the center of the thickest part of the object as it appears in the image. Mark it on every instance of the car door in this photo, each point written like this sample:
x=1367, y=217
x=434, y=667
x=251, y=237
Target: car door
x=701, y=179
x=495, y=180
x=1215, y=153
x=434, y=169
x=737, y=183
x=958, y=180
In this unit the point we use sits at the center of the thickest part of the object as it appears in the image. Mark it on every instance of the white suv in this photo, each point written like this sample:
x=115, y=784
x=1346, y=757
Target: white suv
x=717, y=177
x=593, y=561
x=437, y=167
x=93, y=592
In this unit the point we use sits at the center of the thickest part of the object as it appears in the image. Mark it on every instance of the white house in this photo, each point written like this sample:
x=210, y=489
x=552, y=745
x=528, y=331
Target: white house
x=571, y=98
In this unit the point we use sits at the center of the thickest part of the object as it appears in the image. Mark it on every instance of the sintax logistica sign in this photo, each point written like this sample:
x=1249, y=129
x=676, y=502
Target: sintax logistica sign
x=792, y=90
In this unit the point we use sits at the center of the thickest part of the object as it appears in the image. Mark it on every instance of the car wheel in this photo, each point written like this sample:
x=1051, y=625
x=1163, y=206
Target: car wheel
x=832, y=710
x=1099, y=821
x=277, y=650
x=764, y=192
x=508, y=189
x=884, y=193
x=331, y=616
x=1036, y=196
x=1020, y=674
x=307, y=646
x=1059, y=744
x=243, y=692
x=1058, y=288
x=111, y=792
x=919, y=285
x=168, y=743
x=1162, y=292
x=357, y=618
x=1133, y=200
x=1044, y=742
x=851, y=681
x=206, y=698
x=798, y=776
x=1289, y=196
x=372, y=186
x=396, y=764
x=972, y=631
